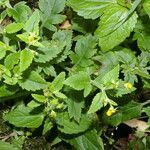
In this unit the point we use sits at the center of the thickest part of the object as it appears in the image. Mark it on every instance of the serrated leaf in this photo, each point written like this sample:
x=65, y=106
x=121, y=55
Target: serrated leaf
x=11, y=60
x=106, y=78
x=128, y=111
x=75, y=103
x=21, y=117
x=146, y=6
x=32, y=81
x=3, y=49
x=20, y=12
x=50, y=51
x=115, y=26
x=68, y=126
x=84, y=50
x=33, y=104
x=131, y=110
x=49, y=69
x=6, y=91
x=13, y=27
x=39, y=98
x=7, y=146
x=51, y=6
x=26, y=58
x=66, y=37
x=59, y=95
x=47, y=126
x=90, y=9
x=50, y=10
x=114, y=120
x=32, y=25
x=87, y=141
x=97, y=102
x=143, y=39
x=79, y=81
x=58, y=82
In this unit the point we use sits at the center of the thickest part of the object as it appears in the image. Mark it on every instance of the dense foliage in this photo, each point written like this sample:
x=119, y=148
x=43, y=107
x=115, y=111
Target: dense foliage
x=72, y=69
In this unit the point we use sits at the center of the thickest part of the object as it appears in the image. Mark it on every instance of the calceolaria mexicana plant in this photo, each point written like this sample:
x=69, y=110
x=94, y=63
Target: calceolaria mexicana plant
x=72, y=69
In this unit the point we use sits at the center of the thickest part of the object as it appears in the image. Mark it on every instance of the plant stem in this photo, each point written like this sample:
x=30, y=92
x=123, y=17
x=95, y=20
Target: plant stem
x=145, y=103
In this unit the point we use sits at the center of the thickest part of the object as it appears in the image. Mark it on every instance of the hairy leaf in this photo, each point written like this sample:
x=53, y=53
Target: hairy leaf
x=79, y=81
x=75, y=104
x=115, y=26
x=47, y=126
x=90, y=9
x=49, y=51
x=97, y=102
x=13, y=27
x=21, y=117
x=26, y=58
x=68, y=126
x=90, y=140
x=32, y=81
x=146, y=6
x=84, y=50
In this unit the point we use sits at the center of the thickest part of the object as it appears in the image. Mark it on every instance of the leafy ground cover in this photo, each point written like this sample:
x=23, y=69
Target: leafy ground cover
x=74, y=74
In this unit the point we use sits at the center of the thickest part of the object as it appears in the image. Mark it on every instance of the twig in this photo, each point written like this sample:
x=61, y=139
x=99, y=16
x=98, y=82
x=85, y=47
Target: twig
x=145, y=103
x=4, y=138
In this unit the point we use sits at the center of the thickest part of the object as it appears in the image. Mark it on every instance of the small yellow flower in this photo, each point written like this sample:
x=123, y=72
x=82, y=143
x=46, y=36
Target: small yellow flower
x=32, y=38
x=111, y=111
x=128, y=85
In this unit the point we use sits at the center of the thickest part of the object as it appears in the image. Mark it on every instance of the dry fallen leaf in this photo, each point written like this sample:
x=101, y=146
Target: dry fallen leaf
x=138, y=124
x=65, y=25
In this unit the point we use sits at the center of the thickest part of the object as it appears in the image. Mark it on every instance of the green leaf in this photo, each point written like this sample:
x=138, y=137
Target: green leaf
x=128, y=111
x=11, y=60
x=113, y=120
x=39, y=98
x=26, y=57
x=13, y=27
x=3, y=49
x=131, y=110
x=50, y=51
x=106, y=78
x=32, y=81
x=84, y=51
x=64, y=36
x=20, y=12
x=90, y=9
x=21, y=117
x=147, y=110
x=115, y=26
x=32, y=25
x=50, y=10
x=51, y=6
x=97, y=102
x=49, y=70
x=143, y=39
x=58, y=82
x=68, y=126
x=146, y=6
x=47, y=126
x=79, y=81
x=75, y=103
x=7, y=146
x=33, y=104
x=6, y=91
x=88, y=141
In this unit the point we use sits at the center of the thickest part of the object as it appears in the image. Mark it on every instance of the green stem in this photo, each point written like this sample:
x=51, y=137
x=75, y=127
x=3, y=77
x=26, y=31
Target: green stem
x=17, y=95
x=145, y=103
